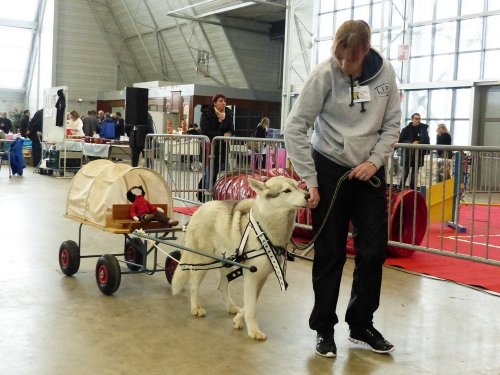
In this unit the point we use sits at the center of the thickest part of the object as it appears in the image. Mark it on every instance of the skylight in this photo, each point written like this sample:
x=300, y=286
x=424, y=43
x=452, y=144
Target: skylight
x=17, y=28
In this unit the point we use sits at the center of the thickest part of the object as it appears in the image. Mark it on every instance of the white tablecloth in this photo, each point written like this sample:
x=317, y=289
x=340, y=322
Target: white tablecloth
x=88, y=149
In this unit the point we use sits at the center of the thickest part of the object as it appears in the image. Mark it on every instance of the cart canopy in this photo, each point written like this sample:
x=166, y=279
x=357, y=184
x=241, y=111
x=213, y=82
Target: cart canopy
x=102, y=183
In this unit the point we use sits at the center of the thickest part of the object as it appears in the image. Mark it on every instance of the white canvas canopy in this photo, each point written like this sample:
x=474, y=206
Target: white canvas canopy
x=102, y=183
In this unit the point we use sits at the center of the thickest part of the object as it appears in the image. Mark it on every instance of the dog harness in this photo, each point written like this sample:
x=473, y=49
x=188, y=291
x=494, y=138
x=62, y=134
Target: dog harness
x=267, y=248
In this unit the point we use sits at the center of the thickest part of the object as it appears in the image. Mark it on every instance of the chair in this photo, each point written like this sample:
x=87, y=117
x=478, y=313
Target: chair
x=5, y=155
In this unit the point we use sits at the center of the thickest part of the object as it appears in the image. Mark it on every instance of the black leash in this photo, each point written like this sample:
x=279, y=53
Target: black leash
x=374, y=181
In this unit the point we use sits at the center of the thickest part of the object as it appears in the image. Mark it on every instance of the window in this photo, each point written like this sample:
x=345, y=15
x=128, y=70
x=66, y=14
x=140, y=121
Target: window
x=444, y=40
x=16, y=37
x=453, y=40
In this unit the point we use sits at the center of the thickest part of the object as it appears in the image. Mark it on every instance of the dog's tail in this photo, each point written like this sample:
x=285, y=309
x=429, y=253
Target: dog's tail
x=179, y=280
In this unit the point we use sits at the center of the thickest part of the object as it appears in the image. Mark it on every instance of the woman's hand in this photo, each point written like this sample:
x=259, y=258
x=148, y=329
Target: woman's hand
x=364, y=171
x=313, y=197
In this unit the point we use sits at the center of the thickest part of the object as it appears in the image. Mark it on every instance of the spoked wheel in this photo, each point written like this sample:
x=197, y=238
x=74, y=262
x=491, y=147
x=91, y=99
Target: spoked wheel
x=108, y=274
x=133, y=253
x=69, y=257
x=171, y=265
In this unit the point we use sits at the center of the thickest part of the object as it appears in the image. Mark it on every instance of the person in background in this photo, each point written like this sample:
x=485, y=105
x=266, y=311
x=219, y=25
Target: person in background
x=25, y=122
x=192, y=130
x=137, y=135
x=217, y=120
x=443, y=137
x=120, y=125
x=90, y=123
x=352, y=101
x=74, y=125
x=100, y=119
x=34, y=133
x=261, y=150
x=416, y=132
x=5, y=123
x=108, y=127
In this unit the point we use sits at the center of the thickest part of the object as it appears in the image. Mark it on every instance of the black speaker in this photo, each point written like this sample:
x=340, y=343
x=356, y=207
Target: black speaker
x=136, y=105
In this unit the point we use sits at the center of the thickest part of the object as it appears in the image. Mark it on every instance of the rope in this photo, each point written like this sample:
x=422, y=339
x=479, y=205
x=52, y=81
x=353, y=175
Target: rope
x=374, y=181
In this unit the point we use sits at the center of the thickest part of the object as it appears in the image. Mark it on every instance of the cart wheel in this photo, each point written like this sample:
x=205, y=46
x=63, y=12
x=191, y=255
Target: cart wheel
x=133, y=253
x=108, y=274
x=171, y=265
x=69, y=257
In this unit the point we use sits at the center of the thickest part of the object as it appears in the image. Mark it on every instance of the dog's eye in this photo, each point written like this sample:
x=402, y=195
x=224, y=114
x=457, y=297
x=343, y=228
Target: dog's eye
x=287, y=191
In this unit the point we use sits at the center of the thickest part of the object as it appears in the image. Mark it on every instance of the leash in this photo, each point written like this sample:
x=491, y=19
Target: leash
x=374, y=181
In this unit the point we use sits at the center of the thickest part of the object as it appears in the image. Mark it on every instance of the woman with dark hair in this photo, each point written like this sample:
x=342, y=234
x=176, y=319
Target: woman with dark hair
x=217, y=120
x=75, y=125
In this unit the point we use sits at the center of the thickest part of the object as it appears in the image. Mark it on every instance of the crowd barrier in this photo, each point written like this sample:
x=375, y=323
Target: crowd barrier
x=448, y=209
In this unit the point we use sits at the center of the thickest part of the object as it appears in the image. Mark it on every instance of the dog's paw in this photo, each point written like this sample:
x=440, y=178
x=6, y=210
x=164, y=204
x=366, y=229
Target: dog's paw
x=257, y=335
x=233, y=309
x=198, y=311
x=238, y=321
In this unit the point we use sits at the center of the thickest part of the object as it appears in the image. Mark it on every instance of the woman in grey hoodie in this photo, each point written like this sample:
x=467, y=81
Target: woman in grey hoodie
x=352, y=103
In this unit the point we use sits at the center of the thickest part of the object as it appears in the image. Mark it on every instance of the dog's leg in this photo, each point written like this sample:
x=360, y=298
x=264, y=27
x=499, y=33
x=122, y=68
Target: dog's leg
x=253, y=284
x=224, y=293
x=196, y=279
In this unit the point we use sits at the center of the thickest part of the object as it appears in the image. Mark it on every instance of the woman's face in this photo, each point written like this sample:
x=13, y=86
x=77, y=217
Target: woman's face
x=350, y=62
x=220, y=104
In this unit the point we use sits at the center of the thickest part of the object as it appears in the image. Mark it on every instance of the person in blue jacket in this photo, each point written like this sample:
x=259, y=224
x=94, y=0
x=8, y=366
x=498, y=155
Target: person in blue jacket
x=108, y=127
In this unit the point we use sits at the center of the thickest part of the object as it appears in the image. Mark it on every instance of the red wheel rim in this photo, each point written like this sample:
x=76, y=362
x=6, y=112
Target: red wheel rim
x=130, y=254
x=103, y=275
x=64, y=257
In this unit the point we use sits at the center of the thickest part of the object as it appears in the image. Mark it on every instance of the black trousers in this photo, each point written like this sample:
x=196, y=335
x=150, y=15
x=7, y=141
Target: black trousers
x=365, y=206
x=36, y=150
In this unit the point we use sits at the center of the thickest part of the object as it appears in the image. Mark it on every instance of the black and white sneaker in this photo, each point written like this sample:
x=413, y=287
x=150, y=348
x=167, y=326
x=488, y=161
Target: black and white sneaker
x=371, y=337
x=325, y=345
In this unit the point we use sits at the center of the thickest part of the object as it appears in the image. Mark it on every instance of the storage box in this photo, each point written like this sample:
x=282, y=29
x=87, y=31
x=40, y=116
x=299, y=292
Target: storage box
x=57, y=159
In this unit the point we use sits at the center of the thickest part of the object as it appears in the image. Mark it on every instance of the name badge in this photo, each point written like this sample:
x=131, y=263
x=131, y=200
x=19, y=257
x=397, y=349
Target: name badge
x=361, y=94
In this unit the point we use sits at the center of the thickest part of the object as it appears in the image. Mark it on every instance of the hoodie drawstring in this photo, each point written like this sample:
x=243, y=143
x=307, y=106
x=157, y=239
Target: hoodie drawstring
x=352, y=91
x=363, y=109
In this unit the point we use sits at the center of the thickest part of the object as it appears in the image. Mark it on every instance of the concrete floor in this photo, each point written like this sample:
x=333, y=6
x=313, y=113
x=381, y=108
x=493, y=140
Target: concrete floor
x=54, y=324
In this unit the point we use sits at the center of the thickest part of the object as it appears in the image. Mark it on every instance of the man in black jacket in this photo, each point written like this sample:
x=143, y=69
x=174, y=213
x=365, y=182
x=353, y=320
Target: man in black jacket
x=25, y=122
x=5, y=123
x=415, y=132
x=35, y=127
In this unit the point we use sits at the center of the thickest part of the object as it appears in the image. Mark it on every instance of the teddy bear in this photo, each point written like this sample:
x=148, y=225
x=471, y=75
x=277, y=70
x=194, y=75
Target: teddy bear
x=142, y=210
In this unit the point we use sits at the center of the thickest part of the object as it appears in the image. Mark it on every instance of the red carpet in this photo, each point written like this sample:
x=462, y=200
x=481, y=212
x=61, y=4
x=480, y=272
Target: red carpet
x=457, y=270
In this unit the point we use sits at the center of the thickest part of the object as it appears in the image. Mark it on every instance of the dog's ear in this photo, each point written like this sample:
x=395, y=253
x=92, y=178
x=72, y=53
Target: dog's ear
x=256, y=185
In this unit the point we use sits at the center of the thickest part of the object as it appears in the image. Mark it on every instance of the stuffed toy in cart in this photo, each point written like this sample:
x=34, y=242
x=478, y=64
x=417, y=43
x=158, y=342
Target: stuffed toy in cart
x=142, y=210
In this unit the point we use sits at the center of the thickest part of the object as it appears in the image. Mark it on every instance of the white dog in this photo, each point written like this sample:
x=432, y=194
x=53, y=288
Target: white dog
x=217, y=228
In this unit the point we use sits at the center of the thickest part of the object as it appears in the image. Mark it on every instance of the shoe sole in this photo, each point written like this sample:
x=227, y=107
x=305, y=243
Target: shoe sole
x=356, y=341
x=327, y=355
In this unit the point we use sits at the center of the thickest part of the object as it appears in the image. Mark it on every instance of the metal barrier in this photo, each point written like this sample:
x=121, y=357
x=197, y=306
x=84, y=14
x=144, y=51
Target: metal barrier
x=449, y=209
x=461, y=193
x=182, y=161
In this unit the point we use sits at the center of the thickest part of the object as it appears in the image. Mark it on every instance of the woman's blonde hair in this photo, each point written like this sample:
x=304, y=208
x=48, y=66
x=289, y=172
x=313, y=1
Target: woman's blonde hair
x=352, y=36
x=443, y=126
x=265, y=121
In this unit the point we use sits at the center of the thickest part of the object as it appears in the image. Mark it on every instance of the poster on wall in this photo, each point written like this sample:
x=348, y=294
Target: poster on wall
x=54, y=114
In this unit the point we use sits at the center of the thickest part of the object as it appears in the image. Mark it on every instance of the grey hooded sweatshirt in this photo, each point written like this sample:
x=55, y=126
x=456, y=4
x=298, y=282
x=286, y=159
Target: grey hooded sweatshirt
x=345, y=132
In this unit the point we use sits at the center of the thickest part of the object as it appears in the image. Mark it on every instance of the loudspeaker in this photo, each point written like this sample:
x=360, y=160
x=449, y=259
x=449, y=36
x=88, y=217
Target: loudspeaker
x=136, y=105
